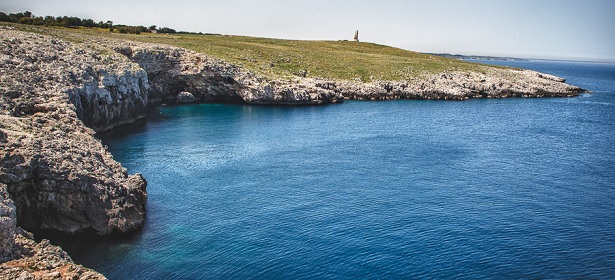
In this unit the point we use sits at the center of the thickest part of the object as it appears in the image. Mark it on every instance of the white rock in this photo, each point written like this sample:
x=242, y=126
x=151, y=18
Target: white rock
x=185, y=97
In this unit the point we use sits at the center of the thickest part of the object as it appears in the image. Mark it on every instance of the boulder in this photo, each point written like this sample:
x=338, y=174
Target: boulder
x=185, y=97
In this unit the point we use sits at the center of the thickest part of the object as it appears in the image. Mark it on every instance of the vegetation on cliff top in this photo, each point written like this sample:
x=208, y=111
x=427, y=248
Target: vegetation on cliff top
x=273, y=58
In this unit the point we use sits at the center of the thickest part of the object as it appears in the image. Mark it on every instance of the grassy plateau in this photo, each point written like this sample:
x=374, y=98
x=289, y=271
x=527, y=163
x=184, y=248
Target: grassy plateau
x=277, y=58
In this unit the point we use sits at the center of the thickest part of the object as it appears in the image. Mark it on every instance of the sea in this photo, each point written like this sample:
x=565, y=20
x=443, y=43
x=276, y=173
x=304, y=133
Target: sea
x=519, y=188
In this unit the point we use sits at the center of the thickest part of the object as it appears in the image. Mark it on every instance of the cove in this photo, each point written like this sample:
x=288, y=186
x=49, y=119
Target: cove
x=512, y=188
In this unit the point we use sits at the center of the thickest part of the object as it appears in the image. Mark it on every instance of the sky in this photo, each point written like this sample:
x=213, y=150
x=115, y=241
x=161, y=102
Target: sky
x=550, y=29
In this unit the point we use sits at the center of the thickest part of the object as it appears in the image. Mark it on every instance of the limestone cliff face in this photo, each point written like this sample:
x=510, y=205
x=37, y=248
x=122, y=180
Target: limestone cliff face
x=59, y=176
x=496, y=83
x=42, y=260
x=107, y=98
x=173, y=72
x=53, y=173
x=23, y=258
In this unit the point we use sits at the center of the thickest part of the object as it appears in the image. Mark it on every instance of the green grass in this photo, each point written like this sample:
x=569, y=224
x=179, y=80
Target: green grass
x=276, y=58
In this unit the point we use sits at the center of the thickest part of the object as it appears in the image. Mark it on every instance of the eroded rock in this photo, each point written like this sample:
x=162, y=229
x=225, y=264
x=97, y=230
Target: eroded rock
x=43, y=261
x=185, y=97
x=56, y=174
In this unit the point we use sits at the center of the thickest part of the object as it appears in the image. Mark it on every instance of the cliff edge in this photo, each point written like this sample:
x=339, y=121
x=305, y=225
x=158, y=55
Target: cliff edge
x=54, y=174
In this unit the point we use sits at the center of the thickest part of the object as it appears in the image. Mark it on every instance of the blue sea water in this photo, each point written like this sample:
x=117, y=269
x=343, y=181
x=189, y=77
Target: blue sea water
x=507, y=188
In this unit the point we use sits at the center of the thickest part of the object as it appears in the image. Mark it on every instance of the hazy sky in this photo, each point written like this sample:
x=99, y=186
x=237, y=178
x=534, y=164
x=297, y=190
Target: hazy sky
x=579, y=29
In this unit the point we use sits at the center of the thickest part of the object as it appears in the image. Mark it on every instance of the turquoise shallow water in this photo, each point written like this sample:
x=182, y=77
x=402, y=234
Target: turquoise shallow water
x=512, y=188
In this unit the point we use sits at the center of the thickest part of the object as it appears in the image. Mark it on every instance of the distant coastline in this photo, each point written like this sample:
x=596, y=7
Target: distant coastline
x=505, y=58
x=477, y=57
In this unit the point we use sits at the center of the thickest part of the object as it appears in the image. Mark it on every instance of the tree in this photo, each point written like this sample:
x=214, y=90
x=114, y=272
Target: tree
x=38, y=21
x=4, y=17
x=16, y=17
x=66, y=21
x=25, y=20
x=50, y=21
x=166, y=30
x=88, y=23
x=71, y=21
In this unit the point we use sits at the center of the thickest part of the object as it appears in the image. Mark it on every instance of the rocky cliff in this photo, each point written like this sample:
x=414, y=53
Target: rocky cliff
x=494, y=83
x=174, y=72
x=55, y=175
x=55, y=95
x=32, y=260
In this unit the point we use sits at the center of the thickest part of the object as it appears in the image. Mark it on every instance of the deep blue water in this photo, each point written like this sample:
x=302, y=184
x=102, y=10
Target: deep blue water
x=510, y=188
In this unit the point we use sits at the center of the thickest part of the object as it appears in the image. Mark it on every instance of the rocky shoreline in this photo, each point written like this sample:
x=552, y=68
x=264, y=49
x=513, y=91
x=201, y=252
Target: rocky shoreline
x=184, y=76
x=55, y=95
